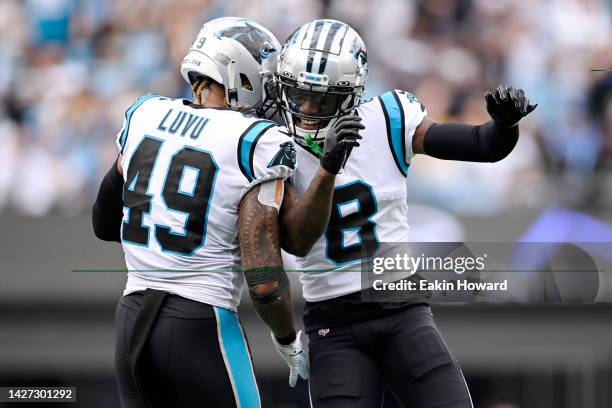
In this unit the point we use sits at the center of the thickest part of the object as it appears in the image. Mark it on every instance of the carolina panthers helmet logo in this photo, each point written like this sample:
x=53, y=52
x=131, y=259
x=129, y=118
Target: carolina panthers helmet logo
x=285, y=156
x=257, y=42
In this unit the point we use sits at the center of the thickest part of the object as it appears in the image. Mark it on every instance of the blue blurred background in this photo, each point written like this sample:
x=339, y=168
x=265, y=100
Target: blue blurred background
x=70, y=68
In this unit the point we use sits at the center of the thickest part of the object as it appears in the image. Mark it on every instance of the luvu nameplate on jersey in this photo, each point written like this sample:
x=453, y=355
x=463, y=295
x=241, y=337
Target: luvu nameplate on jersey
x=182, y=123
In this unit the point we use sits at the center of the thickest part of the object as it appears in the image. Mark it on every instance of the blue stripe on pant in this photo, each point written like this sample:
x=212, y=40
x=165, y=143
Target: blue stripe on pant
x=237, y=359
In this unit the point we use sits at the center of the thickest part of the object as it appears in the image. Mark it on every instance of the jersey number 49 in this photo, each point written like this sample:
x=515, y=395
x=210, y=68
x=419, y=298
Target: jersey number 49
x=192, y=203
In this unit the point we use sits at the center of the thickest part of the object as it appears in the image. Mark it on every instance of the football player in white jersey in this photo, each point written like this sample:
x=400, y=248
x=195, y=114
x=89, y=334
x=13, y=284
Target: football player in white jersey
x=194, y=198
x=356, y=348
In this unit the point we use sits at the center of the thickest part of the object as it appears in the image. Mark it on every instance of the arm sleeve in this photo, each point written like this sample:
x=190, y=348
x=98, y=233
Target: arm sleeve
x=457, y=141
x=270, y=155
x=107, y=211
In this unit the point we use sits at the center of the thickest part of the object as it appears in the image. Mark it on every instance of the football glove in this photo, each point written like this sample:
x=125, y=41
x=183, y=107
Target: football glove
x=507, y=106
x=340, y=139
x=295, y=356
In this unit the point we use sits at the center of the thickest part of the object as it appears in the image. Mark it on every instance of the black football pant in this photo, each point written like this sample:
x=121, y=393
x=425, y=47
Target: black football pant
x=196, y=355
x=351, y=364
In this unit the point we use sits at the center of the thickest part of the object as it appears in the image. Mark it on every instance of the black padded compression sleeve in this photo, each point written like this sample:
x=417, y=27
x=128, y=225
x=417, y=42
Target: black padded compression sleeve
x=108, y=209
x=255, y=278
x=483, y=143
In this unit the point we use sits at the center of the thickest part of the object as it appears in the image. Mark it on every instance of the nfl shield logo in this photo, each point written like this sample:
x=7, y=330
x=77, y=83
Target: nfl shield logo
x=323, y=332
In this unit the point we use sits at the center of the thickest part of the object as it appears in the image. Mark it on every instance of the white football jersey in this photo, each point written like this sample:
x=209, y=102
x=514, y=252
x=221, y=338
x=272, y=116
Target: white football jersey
x=369, y=204
x=186, y=169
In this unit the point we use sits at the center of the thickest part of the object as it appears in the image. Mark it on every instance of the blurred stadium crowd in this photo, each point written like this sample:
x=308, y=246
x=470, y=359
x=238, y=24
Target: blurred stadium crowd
x=69, y=69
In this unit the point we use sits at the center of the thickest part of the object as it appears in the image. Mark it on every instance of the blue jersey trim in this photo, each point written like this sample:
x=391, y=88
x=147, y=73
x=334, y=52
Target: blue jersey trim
x=246, y=147
x=394, y=117
x=128, y=117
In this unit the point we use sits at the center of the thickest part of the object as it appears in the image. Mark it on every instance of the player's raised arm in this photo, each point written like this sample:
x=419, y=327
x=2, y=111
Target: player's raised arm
x=263, y=269
x=489, y=142
x=303, y=220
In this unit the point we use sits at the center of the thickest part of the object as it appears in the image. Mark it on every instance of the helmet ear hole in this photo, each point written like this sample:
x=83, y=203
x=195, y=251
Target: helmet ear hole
x=246, y=84
x=194, y=77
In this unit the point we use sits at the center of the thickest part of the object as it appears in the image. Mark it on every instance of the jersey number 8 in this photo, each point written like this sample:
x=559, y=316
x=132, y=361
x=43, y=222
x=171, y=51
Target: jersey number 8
x=353, y=206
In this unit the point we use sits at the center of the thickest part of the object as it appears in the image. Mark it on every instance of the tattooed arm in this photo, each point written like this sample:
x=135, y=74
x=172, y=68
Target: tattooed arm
x=303, y=220
x=262, y=263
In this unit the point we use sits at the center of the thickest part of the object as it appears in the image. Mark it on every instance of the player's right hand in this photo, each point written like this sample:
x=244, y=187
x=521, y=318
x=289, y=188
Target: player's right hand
x=341, y=137
x=295, y=356
x=507, y=106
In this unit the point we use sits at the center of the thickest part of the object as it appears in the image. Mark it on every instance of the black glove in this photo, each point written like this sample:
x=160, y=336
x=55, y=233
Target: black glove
x=340, y=139
x=508, y=106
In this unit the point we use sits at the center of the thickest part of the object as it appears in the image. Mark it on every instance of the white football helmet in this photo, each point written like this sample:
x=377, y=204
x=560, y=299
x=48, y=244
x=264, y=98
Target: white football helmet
x=320, y=76
x=239, y=54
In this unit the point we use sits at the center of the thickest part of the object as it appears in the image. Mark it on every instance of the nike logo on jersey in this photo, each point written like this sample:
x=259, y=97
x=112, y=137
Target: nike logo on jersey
x=284, y=157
